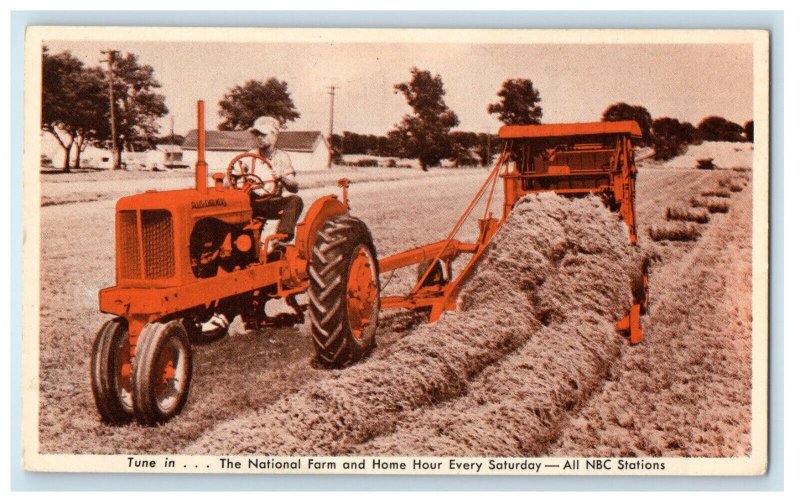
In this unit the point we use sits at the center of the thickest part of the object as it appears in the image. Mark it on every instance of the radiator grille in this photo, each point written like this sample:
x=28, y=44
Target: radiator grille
x=156, y=244
x=159, y=260
x=128, y=238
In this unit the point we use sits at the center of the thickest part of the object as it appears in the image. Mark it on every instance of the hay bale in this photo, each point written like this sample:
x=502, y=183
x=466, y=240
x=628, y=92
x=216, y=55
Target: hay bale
x=694, y=214
x=564, y=264
x=707, y=163
x=723, y=193
x=673, y=231
x=713, y=204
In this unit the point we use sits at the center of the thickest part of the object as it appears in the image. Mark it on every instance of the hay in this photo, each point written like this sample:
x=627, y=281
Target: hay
x=724, y=193
x=697, y=215
x=533, y=336
x=713, y=204
x=673, y=231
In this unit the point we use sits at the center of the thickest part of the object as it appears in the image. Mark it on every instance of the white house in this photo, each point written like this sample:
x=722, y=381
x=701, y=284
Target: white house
x=308, y=150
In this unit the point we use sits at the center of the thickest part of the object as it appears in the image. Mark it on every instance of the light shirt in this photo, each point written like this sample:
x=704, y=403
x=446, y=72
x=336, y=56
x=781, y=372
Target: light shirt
x=281, y=167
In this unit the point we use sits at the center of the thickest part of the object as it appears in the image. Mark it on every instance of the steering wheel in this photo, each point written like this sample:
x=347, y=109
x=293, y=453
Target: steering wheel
x=242, y=177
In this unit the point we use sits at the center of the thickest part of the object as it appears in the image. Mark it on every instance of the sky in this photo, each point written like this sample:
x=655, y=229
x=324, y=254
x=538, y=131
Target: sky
x=576, y=81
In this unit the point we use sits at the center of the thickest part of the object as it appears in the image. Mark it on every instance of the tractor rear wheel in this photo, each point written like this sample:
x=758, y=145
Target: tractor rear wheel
x=111, y=373
x=344, y=292
x=162, y=372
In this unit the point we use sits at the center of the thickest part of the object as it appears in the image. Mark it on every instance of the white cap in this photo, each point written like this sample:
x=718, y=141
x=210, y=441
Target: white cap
x=265, y=124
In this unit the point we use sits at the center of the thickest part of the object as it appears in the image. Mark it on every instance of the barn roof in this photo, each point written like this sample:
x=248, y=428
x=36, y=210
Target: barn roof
x=242, y=141
x=576, y=129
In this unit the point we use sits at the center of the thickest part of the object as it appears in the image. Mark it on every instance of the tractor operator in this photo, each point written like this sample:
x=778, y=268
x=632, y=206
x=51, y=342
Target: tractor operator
x=285, y=209
x=271, y=206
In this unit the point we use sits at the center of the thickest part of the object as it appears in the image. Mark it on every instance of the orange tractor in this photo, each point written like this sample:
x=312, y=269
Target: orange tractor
x=181, y=254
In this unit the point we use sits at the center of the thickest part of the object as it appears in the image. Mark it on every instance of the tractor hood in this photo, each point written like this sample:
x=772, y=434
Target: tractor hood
x=190, y=203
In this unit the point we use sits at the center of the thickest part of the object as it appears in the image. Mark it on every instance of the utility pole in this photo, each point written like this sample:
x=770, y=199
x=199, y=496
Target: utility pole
x=488, y=147
x=115, y=153
x=331, y=92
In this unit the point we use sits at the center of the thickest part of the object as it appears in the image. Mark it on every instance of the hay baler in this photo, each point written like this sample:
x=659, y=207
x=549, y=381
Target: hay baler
x=572, y=160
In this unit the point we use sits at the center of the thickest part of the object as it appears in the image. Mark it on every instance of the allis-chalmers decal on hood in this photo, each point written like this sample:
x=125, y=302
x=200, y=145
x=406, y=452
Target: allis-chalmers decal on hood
x=202, y=204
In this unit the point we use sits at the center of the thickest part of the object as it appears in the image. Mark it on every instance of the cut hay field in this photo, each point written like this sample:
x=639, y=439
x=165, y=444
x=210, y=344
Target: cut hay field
x=530, y=365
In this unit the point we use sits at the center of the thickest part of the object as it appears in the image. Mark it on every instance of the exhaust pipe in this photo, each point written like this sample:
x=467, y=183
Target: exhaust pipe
x=201, y=168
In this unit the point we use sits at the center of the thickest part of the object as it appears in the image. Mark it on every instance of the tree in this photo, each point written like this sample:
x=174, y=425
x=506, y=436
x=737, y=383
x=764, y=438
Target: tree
x=138, y=105
x=748, y=131
x=72, y=103
x=243, y=104
x=670, y=137
x=624, y=111
x=424, y=135
x=517, y=104
x=715, y=128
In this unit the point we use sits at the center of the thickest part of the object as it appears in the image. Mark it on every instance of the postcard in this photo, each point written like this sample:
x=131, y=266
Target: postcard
x=391, y=251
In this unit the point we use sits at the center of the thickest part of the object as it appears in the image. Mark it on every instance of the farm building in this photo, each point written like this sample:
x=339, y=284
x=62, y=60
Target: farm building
x=308, y=149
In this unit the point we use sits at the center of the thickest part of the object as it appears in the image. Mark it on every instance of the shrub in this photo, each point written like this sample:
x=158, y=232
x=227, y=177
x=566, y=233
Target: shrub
x=697, y=215
x=674, y=231
x=366, y=163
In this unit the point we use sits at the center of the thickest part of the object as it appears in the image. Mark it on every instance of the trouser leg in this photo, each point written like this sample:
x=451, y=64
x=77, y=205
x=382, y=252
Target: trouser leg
x=285, y=209
x=292, y=207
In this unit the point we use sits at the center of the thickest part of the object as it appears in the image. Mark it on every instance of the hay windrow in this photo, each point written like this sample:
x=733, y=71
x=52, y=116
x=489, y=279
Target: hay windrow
x=563, y=264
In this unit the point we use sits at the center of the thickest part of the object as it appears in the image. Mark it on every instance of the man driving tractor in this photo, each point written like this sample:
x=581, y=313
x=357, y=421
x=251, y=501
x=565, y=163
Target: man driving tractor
x=273, y=206
x=268, y=204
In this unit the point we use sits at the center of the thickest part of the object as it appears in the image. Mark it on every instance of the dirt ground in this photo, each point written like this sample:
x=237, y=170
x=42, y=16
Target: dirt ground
x=684, y=391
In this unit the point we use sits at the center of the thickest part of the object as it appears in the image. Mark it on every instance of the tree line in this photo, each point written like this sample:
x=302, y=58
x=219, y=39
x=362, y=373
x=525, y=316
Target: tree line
x=82, y=104
x=77, y=104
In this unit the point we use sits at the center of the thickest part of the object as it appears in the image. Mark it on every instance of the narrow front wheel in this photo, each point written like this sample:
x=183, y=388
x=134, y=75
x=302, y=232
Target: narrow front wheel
x=162, y=372
x=111, y=373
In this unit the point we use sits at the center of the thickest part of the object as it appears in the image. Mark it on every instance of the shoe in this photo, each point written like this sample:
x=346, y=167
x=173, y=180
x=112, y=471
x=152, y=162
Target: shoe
x=218, y=322
x=277, y=252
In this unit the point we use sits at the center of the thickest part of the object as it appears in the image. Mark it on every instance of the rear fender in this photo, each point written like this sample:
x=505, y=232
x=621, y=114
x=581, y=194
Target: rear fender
x=322, y=210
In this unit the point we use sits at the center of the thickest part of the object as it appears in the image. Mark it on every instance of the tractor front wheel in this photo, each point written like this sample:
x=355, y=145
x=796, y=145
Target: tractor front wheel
x=111, y=373
x=162, y=373
x=344, y=292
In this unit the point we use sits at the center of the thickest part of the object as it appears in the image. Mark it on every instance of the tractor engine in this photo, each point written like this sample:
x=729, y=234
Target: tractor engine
x=215, y=244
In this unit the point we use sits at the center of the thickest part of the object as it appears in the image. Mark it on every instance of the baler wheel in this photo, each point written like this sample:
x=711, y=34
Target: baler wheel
x=439, y=276
x=162, y=372
x=344, y=292
x=111, y=373
x=641, y=288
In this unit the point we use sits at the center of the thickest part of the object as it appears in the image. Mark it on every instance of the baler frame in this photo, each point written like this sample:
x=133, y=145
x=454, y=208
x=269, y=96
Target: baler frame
x=613, y=181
